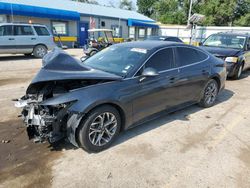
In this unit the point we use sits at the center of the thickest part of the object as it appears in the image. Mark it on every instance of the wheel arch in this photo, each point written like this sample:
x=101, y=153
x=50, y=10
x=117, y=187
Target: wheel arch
x=217, y=79
x=114, y=105
x=41, y=44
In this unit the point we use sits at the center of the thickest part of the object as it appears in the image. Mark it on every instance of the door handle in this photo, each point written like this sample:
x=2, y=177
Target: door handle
x=11, y=39
x=33, y=38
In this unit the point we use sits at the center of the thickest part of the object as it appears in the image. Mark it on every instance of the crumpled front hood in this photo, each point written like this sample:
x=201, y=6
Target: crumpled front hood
x=221, y=52
x=58, y=65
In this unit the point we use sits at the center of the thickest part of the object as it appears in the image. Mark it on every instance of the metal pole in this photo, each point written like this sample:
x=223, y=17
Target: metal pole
x=119, y=28
x=12, y=16
x=190, y=11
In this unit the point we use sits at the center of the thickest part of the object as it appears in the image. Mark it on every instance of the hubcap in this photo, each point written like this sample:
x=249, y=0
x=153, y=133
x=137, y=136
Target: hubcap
x=102, y=129
x=41, y=51
x=211, y=93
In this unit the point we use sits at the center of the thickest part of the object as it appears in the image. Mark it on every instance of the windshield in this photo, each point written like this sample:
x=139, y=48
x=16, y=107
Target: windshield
x=116, y=59
x=226, y=41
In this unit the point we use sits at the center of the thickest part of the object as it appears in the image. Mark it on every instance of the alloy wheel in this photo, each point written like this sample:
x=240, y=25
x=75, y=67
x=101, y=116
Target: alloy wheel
x=211, y=93
x=102, y=129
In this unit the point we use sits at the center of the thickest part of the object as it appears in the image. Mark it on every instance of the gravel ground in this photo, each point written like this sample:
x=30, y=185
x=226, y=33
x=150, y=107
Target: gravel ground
x=194, y=147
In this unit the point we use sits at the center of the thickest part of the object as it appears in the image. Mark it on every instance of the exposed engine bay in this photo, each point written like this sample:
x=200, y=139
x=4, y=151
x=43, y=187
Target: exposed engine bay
x=61, y=76
x=48, y=122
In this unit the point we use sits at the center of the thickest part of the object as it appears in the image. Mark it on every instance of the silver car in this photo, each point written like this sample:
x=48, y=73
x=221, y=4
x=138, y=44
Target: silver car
x=25, y=39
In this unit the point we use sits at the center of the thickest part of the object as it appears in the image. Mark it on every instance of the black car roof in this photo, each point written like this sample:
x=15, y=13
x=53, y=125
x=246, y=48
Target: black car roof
x=233, y=33
x=149, y=45
x=165, y=37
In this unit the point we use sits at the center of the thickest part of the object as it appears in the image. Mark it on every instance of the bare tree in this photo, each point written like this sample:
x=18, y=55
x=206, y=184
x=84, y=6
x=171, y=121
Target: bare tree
x=126, y=4
x=87, y=1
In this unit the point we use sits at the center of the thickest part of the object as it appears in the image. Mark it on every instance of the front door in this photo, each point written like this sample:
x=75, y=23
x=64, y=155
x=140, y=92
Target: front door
x=7, y=40
x=154, y=94
x=83, y=33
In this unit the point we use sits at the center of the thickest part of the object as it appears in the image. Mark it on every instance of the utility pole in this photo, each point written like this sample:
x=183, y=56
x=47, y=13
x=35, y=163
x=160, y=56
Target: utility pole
x=12, y=16
x=190, y=11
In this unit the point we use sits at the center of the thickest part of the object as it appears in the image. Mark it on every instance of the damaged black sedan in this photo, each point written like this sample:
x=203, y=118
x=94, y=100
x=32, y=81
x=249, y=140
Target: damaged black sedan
x=91, y=102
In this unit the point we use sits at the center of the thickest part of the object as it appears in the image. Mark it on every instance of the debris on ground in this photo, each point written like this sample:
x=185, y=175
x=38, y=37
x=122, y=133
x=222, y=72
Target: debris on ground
x=5, y=141
x=109, y=176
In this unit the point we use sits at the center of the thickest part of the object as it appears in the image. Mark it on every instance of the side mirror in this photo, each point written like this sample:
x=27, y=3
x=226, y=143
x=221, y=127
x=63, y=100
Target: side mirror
x=150, y=72
x=200, y=43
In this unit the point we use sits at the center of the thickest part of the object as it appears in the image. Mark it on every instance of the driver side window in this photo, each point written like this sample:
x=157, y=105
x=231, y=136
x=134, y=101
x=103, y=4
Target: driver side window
x=162, y=60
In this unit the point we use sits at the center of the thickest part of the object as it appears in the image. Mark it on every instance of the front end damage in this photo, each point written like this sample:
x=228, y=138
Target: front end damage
x=52, y=122
x=44, y=122
x=47, y=107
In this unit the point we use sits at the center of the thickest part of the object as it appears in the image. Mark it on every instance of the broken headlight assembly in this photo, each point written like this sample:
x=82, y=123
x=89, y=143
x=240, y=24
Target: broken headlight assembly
x=44, y=122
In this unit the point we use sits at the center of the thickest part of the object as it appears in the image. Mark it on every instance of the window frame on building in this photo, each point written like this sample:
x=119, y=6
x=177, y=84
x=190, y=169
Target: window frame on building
x=114, y=32
x=66, y=33
x=139, y=34
x=131, y=35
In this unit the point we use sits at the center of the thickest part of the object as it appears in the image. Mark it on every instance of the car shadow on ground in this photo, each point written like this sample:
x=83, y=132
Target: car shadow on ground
x=159, y=121
x=244, y=75
x=16, y=58
x=166, y=118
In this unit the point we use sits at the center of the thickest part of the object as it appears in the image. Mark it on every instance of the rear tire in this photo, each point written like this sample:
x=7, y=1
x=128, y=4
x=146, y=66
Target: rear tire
x=40, y=51
x=99, y=129
x=209, y=94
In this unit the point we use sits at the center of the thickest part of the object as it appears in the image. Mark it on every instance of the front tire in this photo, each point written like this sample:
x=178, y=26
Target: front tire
x=209, y=95
x=238, y=73
x=99, y=129
x=40, y=51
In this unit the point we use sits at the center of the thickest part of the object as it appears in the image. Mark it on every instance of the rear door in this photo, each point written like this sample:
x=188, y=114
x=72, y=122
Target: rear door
x=7, y=40
x=154, y=94
x=43, y=36
x=25, y=38
x=194, y=71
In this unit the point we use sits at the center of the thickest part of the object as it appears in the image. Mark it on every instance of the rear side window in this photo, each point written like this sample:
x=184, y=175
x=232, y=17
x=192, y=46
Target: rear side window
x=6, y=30
x=41, y=31
x=162, y=60
x=23, y=30
x=187, y=56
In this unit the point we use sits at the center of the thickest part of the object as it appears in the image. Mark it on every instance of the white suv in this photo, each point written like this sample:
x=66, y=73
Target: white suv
x=25, y=39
